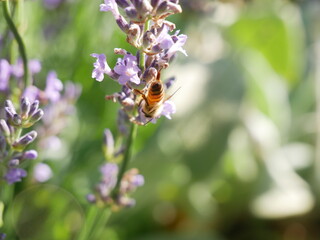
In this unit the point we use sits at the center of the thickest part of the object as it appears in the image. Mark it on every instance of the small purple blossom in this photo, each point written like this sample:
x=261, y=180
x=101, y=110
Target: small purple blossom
x=179, y=41
x=110, y=5
x=15, y=175
x=5, y=71
x=128, y=69
x=42, y=172
x=53, y=87
x=101, y=67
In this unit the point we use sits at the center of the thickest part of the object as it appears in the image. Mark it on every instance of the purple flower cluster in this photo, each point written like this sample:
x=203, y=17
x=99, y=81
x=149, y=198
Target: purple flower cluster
x=57, y=106
x=145, y=25
x=104, y=191
x=12, y=145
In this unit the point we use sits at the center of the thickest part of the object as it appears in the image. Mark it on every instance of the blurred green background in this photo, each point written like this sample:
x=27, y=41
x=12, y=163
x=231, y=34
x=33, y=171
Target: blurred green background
x=240, y=159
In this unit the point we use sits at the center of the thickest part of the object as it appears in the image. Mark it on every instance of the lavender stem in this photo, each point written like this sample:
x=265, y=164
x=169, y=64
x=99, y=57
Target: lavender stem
x=19, y=40
x=127, y=156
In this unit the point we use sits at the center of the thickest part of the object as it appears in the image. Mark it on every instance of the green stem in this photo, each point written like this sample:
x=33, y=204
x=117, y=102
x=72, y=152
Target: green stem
x=100, y=223
x=127, y=156
x=19, y=40
x=95, y=221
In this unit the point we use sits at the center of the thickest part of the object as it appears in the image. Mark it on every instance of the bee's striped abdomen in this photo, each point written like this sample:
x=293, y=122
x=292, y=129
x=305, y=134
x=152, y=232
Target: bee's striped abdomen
x=155, y=93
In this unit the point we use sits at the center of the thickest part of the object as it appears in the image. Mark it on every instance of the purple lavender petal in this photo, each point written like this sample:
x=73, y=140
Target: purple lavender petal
x=127, y=69
x=110, y=5
x=177, y=46
x=101, y=67
x=5, y=70
x=168, y=109
x=14, y=175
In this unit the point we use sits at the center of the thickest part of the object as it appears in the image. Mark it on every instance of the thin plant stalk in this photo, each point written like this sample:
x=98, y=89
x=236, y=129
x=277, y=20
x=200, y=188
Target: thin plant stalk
x=21, y=46
x=127, y=157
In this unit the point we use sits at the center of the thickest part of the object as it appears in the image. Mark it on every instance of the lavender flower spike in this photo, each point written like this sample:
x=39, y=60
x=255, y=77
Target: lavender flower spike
x=101, y=67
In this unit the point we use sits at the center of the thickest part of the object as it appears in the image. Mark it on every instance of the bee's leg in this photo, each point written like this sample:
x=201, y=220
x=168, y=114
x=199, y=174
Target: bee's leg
x=138, y=92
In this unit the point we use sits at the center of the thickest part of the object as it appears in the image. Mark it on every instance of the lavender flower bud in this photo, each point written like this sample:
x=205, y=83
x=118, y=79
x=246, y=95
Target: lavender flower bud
x=16, y=120
x=137, y=4
x=34, y=107
x=174, y=8
x=108, y=141
x=154, y=3
x=25, y=107
x=31, y=154
x=162, y=8
x=123, y=24
x=22, y=142
x=36, y=116
x=134, y=34
x=131, y=12
x=148, y=39
x=150, y=74
x=122, y=3
x=3, y=236
x=9, y=105
x=9, y=113
x=14, y=163
x=4, y=128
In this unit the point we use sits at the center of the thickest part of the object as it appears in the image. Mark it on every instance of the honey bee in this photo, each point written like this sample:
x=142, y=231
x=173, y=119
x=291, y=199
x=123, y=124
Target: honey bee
x=153, y=97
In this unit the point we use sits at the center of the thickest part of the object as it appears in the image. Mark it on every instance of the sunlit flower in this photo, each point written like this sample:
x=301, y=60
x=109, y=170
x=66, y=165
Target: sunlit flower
x=101, y=67
x=128, y=69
